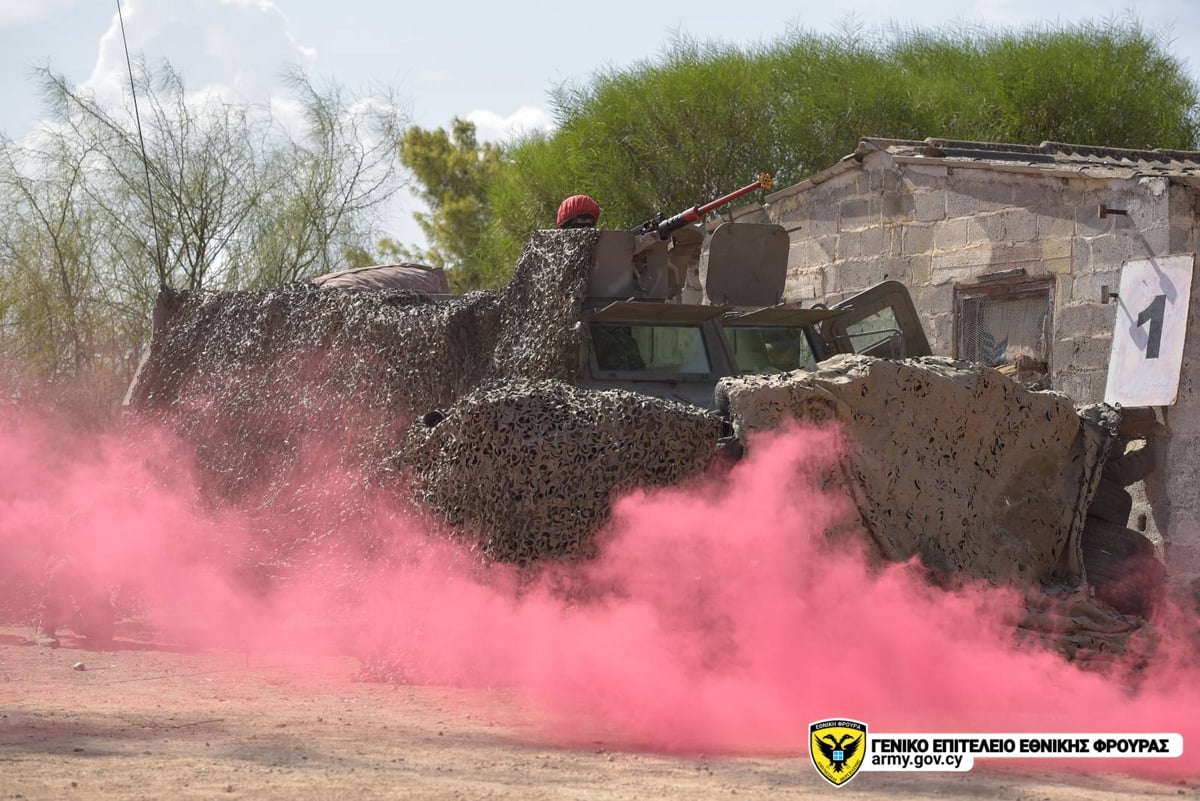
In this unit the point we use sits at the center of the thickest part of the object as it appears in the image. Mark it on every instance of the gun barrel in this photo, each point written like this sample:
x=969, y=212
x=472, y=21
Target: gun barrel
x=764, y=181
x=697, y=213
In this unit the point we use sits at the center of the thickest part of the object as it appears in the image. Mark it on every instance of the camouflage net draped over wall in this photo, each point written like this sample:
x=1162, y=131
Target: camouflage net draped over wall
x=531, y=468
x=247, y=377
x=959, y=465
x=950, y=461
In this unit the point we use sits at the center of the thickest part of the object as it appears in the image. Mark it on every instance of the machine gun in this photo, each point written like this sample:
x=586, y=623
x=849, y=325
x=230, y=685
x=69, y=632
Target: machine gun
x=659, y=228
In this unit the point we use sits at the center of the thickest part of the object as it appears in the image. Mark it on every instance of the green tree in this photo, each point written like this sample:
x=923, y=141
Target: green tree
x=704, y=118
x=453, y=170
x=224, y=194
x=221, y=195
x=325, y=186
x=61, y=336
x=49, y=287
x=387, y=251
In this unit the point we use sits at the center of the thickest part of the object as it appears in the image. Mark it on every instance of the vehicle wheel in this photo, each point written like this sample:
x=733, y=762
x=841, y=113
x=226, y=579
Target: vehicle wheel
x=1131, y=467
x=1139, y=423
x=1121, y=567
x=1111, y=503
x=721, y=400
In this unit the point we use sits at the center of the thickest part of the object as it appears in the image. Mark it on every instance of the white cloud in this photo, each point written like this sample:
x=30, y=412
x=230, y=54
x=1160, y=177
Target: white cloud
x=492, y=127
x=22, y=12
x=239, y=47
x=288, y=111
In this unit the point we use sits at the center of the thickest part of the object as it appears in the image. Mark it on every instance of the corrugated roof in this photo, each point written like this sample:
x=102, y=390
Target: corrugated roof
x=1058, y=158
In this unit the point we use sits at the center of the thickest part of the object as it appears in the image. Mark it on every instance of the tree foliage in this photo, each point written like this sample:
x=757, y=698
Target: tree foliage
x=97, y=213
x=704, y=118
x=453, y=170
x=51, y=267
x=230, y=195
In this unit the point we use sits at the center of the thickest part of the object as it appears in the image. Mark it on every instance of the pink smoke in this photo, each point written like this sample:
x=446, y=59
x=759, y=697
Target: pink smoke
x=718, y=617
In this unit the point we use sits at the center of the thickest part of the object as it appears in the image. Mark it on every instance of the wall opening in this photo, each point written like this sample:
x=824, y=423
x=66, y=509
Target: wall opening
x=1007, y=324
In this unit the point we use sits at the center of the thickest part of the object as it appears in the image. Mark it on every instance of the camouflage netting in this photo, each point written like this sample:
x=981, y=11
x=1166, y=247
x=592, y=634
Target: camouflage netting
x=950, y=461
x=1091, y=634
x=248, y=376
x=530, y=467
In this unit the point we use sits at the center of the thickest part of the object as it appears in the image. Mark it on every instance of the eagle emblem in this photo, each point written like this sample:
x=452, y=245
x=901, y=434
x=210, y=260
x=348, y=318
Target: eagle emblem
x=838, y=748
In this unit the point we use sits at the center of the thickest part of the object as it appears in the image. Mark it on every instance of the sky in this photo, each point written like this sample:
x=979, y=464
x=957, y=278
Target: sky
x=493, y=63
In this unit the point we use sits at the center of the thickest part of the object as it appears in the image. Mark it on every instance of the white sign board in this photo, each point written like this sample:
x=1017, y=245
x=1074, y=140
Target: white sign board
x=1148, y=336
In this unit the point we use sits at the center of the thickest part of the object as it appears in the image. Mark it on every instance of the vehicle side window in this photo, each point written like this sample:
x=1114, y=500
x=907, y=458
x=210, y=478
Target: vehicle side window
x=876, y=333
x=880, y=321
x=675, y=348
x=769, y=349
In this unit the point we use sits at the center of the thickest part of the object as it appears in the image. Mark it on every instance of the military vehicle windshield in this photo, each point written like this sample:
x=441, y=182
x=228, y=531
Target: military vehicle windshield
x=649, y=348
x=770, y=349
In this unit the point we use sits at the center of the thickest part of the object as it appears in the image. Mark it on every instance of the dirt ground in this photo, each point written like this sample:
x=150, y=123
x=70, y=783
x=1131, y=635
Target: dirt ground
x=144, y=720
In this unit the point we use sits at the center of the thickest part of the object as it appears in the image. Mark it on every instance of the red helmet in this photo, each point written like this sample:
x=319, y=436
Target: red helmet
x=576, y=205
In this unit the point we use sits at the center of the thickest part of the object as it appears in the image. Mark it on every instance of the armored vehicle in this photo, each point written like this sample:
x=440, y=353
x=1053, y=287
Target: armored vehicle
x=641, y=336
x=514, y=415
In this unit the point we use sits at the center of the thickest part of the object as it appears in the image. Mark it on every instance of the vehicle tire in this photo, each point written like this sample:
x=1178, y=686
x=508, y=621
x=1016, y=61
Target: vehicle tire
x=1111, y=503
x=1139, y=423
x=728, y=452
x=721, y=400
x=1133, y=466
x=1122, y=568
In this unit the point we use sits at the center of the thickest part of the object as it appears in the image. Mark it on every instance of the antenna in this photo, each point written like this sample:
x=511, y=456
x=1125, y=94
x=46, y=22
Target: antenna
x=162, y=271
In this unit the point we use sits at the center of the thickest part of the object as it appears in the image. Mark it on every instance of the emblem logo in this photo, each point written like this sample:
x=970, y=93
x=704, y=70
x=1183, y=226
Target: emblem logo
x=838, y=748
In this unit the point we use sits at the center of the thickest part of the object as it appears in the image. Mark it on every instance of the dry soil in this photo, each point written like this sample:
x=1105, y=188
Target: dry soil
x=145, y=720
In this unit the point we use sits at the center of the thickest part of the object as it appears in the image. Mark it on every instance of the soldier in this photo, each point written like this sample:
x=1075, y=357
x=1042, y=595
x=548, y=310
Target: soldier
x=784, y=350
x=73, y=600
x=578, y=211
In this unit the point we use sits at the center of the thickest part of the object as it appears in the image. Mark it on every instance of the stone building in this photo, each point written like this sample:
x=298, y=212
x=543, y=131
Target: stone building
x=1009, y=252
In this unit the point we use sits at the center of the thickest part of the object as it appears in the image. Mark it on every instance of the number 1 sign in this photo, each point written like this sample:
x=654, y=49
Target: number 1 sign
x=1148, y=337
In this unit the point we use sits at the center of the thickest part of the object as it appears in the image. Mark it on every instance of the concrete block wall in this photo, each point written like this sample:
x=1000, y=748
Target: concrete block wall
x=1174, y=489
x=1100, y=247
x=934, y=226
